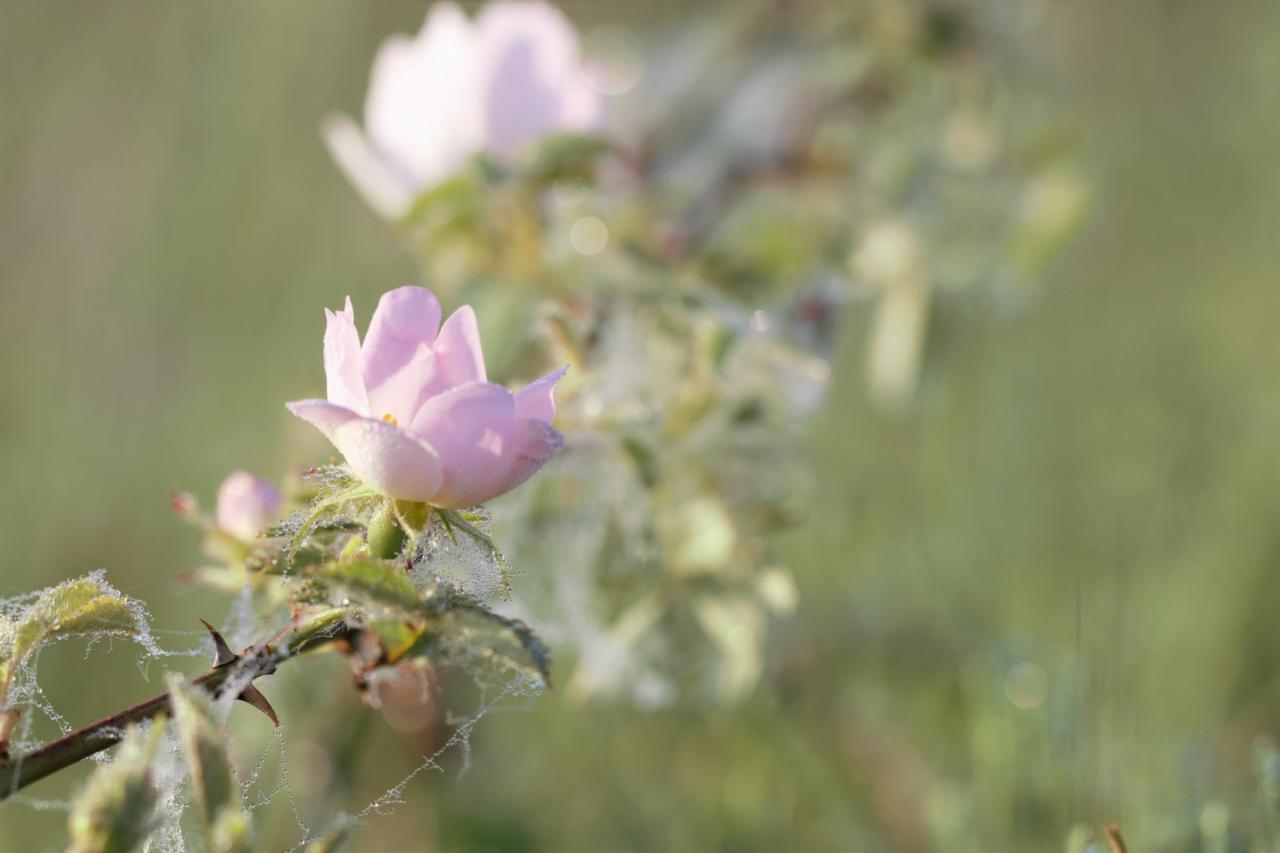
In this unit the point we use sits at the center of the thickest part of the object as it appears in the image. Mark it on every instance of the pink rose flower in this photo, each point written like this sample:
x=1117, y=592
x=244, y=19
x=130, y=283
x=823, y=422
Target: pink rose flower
x=459, y=88
x=247, y=504
x=412, y=412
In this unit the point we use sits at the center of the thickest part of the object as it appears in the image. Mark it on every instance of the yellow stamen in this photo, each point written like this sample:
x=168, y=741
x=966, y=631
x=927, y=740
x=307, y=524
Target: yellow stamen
x=390, y=419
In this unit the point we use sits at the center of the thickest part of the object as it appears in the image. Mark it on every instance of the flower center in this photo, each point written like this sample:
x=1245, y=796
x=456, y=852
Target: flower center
x=390, y=418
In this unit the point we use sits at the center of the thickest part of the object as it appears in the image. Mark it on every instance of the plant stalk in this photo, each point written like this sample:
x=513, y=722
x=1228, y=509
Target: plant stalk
x=22, y=770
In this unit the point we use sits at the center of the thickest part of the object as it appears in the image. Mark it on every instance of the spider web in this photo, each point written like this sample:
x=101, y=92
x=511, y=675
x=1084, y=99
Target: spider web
x=265, y=780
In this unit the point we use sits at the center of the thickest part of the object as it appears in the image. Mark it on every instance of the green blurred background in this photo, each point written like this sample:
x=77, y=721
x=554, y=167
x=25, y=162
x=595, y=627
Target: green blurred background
x=1046, y=598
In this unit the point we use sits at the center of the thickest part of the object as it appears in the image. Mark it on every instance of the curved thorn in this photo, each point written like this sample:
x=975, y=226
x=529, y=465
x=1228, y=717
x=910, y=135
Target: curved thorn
x=252, y=696
x=222, y=654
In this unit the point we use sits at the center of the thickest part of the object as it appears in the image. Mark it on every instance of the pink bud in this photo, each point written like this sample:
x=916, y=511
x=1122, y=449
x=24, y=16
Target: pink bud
x=247, y=504
x=412, y=411
x=183, y=503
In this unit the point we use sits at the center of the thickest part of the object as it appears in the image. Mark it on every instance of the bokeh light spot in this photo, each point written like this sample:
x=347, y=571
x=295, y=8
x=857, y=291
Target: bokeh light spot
x=588, y=235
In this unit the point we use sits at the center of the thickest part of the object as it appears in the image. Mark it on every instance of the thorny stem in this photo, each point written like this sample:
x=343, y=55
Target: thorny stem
x=301, y=636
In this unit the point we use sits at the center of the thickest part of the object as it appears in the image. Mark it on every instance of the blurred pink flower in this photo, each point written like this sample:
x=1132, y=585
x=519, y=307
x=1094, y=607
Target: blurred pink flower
x=247, y=504
x=412, y=412
x=458, y=88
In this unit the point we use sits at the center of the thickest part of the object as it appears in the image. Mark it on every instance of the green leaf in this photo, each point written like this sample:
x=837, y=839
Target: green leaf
x=566, y=157
x=215, y=790
x=434, y=621
x=374, y=587
x=312, y=625
x=328, y=509
x=771, y=235
x=87, y=605
x=116, y=809
x=397, y=637
x=452, y=205
x=466, y=633
x=473, y=526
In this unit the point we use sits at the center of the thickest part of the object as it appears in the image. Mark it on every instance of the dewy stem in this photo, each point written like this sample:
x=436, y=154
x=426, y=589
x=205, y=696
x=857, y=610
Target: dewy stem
x=21, y=770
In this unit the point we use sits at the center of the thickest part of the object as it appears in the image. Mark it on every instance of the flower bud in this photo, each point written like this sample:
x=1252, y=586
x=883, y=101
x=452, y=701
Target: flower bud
x=247, y=504
x=386, y=536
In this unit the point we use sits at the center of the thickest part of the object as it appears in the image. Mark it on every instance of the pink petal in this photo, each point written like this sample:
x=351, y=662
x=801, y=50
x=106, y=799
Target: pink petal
x=387, y=189
x=392, y=460
x=459, y=358
x=397, y=362
x=484, y=447
x=533, y=85
x=422, y=111
x=582, y=110
x=342, y=360
x=536, y=443
x=536, y=401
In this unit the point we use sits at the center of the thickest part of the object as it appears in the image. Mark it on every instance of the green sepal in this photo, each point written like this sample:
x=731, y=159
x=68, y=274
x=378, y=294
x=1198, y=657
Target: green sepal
x=385, y=535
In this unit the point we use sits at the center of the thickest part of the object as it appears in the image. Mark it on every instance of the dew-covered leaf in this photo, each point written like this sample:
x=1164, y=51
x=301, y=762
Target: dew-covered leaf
x=488, y=645
x=116, y=809
x=430, y=619
x=87, y=605
x=313, y=624
x=456, y=546
x=374, y=587
x=327, y=512
x=215, y=791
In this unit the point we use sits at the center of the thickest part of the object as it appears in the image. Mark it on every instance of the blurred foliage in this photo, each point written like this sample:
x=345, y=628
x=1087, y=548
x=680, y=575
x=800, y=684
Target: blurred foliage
x=117, y=809
x=213, y=784
x=691, y=266
x=1039, y=601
